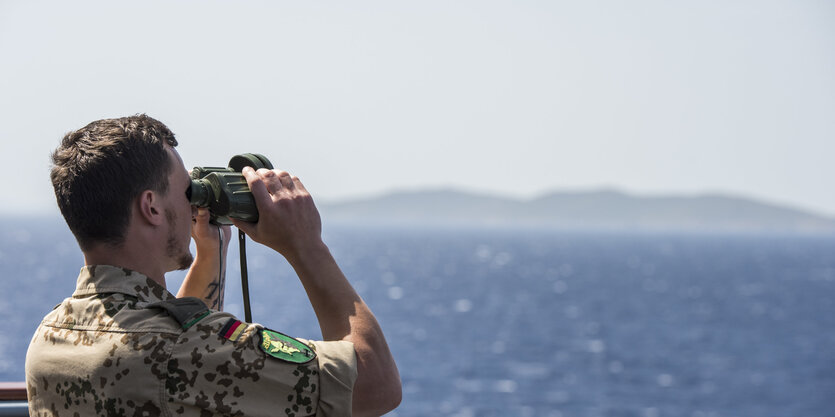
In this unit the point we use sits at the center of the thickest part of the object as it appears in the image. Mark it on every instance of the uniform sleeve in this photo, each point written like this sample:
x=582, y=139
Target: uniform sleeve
x=219, y=366
x=337, y=374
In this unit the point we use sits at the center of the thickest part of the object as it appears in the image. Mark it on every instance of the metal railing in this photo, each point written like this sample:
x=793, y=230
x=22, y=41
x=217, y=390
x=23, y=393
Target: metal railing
x=13, y=399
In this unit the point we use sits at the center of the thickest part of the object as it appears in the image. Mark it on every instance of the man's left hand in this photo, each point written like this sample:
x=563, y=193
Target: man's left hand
x=205, y=234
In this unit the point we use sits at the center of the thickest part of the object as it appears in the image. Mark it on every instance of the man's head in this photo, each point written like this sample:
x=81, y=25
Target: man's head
x=100, y=170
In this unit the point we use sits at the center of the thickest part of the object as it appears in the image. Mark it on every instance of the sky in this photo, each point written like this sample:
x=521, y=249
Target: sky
x=513, y=98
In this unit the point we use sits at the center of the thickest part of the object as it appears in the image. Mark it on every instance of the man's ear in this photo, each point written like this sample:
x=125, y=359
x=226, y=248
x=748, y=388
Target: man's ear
x=150, y=209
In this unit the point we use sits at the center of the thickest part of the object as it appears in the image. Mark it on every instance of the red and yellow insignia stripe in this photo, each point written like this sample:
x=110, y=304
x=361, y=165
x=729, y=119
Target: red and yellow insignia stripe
x=232, y=329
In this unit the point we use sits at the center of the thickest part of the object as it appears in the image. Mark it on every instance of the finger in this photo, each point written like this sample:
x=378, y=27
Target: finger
x=202, y=215
x=246, y=227
x=298, y=184
x=201, y=227
x=256, y=185
x=286, y=180
x=271, y=180
x=201, y=218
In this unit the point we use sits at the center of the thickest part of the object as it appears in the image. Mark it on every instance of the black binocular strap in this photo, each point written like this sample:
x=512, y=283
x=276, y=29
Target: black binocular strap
x=244, y=277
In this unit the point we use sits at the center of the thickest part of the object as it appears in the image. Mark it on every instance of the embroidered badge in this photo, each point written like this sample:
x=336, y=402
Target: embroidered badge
x=232, y=329
x=286, y=348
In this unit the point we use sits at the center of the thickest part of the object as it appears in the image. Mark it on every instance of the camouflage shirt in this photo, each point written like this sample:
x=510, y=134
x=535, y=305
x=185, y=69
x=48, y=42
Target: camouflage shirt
x=112, y=350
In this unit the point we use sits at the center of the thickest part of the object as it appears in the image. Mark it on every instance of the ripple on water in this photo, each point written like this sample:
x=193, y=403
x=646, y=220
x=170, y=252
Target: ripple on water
x=463, y=305
x=395, y=293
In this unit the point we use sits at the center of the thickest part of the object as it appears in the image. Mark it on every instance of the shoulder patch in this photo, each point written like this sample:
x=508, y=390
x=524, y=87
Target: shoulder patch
x=286, y=348
x=232, y=329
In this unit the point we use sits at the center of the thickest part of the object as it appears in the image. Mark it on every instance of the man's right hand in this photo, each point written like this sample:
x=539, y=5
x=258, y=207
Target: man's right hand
x=288, y=221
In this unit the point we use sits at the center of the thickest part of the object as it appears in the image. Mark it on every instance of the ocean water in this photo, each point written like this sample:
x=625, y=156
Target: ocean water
x=521, y=323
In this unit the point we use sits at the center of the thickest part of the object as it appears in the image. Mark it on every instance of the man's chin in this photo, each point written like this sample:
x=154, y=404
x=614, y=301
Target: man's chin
x=185, y=261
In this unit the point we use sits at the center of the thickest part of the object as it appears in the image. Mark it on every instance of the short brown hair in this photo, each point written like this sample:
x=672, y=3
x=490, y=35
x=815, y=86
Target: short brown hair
x=101, y=168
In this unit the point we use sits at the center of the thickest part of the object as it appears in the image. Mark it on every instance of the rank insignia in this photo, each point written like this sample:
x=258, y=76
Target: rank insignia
x=284, y=347
x=232, y=329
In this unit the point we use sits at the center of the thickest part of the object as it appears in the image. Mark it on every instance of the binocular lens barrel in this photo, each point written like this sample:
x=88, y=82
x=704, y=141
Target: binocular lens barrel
x=200, y=193
x=225, y=190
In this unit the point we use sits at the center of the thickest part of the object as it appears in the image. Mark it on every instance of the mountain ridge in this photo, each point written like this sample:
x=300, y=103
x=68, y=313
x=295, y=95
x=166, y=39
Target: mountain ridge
x=604, y=209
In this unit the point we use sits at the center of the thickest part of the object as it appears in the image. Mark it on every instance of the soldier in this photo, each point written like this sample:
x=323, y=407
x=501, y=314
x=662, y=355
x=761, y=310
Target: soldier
x=124, y=345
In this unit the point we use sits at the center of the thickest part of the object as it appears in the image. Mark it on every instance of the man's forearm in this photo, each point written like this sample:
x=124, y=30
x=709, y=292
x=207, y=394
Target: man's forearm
x=333, y=298
x=206, y=280
x=343, y=315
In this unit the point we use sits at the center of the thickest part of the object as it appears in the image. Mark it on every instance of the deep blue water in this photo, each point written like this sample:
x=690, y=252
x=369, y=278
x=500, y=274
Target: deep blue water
x=535, y=324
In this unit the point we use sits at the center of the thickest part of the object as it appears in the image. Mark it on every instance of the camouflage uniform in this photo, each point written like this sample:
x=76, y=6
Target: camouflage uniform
x=118, y=347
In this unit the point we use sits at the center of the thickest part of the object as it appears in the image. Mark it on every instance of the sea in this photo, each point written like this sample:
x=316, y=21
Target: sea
x=533, y=323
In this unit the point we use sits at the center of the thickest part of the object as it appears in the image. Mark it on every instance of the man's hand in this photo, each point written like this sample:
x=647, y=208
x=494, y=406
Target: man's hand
x=206, y=279
x=288, y=221
x=205, y=234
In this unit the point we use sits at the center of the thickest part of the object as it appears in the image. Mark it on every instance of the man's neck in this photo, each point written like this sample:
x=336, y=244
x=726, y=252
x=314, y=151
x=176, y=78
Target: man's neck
x=141, y=261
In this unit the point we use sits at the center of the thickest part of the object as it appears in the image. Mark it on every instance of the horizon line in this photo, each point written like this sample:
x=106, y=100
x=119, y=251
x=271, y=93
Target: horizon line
x=41, y=211
x=582, y=190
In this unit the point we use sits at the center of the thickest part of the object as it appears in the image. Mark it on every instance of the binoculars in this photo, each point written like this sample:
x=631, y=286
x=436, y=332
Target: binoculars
x=225, y=190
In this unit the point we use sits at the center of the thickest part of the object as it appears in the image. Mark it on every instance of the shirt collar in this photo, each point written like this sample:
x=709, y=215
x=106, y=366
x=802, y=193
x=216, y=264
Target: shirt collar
x=100, y=279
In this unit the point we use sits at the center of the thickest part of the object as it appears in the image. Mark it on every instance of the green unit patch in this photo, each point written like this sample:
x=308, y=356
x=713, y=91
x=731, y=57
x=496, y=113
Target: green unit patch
x=286, y=348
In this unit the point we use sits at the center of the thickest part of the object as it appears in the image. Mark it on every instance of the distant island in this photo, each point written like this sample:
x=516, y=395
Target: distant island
x=597, y=210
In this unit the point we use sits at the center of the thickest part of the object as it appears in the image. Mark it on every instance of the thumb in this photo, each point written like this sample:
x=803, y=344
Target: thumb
x=246, y=227
x=202, y=216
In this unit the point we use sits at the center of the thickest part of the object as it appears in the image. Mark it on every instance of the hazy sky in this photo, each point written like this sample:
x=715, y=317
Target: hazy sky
x=507, y=97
